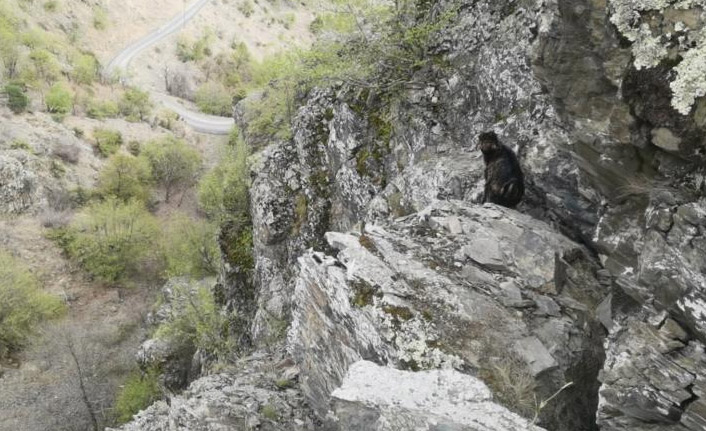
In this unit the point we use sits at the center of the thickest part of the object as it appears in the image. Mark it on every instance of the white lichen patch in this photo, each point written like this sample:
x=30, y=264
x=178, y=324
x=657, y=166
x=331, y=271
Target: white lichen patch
x=648, y=50
x=649, y=46
x=690, y=82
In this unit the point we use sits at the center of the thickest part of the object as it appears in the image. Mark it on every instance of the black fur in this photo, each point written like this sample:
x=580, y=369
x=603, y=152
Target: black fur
x=504, y=182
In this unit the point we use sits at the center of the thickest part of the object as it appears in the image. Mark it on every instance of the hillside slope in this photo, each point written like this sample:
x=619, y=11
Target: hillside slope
x=369, y=245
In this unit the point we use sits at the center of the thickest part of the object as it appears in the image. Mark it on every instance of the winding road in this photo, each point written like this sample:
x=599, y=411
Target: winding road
x=198, y=121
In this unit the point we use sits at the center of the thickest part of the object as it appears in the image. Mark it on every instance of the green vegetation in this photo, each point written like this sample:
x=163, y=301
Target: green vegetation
x=139, y=392
x=190, y=247
x=85, y=69
x=107, y=141
x=17, y=99
x=20, y=144
x=188, y=50
x=174, y=164
x=269, y=412
x=23, y=305
x=224, y=197
x=135, y=105
x=100, y=18
x=99, y=109
x=213, y=98
x=125, y=177
x=111, y=239
x=246, y=8
x=51, y=6
x=223, y=192
x=196, y=321
x=60, y=99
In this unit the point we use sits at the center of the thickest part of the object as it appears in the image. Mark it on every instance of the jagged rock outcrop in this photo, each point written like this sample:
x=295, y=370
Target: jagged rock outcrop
x=480, y=289
x=370, y=245
x=39, y=162
x=248, y=396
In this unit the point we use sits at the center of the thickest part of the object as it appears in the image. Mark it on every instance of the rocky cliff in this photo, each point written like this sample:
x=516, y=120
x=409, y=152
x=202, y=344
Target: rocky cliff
x=385, y=298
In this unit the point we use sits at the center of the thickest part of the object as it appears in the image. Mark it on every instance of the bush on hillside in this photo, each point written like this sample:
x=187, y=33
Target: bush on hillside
x=190, y=247
x=23, y=304
x=174, y=164
x=107, y=141
x=196, y=321
x=17, y=99
x=59, y=99
x=135, y=105
x=111, y=239
x=125, y=177
x=139, y=392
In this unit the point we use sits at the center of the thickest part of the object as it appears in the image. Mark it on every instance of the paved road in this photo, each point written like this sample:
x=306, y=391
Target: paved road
x=198, y=121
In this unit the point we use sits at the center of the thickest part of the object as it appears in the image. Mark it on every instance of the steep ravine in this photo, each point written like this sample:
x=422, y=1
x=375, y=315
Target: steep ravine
x=375, y=268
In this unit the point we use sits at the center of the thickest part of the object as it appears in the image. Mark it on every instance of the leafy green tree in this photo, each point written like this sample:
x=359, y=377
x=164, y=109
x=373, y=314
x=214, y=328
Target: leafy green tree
x=108, y=141
x=111, y=239
x=174, y=164
x=85, y=69
x=59, y=99
x=23, y=305
x=125, y=177
x=190, y=247
x=213, y=98
x=9, y=51
x=17, y=99
x=135, y=105
x=44, y=65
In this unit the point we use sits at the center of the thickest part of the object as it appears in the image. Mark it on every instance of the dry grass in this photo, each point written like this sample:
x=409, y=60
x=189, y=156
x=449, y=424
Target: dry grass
x=511, y=383
x=641, y=186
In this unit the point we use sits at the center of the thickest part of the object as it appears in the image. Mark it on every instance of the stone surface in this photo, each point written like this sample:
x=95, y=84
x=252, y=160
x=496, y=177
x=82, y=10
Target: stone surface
x=395, y=295
x=242, y=397
x=391, y=259
x=424, y=400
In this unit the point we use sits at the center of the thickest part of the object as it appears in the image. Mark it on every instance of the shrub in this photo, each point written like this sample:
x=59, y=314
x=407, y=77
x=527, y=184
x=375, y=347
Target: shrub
x=100, y=19
x=17, y=99
x=213, y=98
x=22, y=304
x=196, y=320
x=190, y=247
x=174, y=164
x=51, y=6
x=60, y=99
x=85, y=69
x=125, y=177
x=139, y=392
x=43, y=64
x=111, y=239
x=100, y=110
x=167, y=119
x=193, y=51
x=135, y=105
x=107, y=141
x=246, y=8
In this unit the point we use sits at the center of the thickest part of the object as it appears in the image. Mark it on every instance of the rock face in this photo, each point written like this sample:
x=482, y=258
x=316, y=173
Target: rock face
x=39, y=161
x=376, y=269
x=419, y=400
x=421, y=292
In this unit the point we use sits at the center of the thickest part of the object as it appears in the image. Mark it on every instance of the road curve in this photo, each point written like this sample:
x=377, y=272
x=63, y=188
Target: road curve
x=198, y=121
